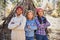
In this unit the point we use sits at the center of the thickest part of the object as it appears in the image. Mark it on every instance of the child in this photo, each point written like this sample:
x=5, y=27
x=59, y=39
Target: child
x=42, y=24
x=30, y=25
x=17, y=25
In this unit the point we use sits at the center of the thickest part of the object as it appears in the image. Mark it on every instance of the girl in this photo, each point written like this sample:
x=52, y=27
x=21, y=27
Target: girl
x=42, y=24
x=30, y=25
x=17, y=25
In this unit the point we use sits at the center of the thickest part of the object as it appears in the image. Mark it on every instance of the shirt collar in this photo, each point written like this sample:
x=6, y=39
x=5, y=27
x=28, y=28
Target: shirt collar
x=19, y=16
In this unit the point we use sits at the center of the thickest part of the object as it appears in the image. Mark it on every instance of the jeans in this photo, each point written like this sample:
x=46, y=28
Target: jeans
x=29, y=38
x=41, y=37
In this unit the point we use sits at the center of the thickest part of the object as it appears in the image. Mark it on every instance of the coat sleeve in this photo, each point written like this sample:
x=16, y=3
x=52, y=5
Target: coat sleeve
x=37, y=22
x=45, y=25
x=23, y=23
x=26, y=29
x=34, y=27
x=12, y=24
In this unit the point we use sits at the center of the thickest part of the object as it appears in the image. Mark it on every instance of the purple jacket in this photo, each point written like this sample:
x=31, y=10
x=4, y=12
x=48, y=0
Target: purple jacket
x=41, y=27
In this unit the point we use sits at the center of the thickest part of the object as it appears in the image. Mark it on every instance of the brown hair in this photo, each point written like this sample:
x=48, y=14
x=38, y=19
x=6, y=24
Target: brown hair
x=19, y=7
x=29, y=12
x=41, y=10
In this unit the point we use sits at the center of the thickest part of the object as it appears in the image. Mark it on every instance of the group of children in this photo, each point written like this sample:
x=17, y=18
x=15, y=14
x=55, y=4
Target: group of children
x=23, y=27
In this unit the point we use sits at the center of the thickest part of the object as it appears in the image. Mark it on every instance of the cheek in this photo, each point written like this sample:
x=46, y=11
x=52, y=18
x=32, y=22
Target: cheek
x=30, y=16
x=40, y=13
x=18, y=12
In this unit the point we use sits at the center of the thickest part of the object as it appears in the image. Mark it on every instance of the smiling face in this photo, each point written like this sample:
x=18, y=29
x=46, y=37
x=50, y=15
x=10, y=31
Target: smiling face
x=19, y=11
x=40, y=13
x=30, y=15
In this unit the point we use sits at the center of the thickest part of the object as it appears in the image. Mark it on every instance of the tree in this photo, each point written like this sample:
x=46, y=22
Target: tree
x=26, y=4
x=58, y=5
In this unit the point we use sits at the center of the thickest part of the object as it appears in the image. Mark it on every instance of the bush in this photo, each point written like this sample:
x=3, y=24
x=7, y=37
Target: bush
x=58, y=5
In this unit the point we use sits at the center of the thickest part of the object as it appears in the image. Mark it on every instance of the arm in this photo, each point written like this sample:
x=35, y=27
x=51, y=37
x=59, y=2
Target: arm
x=27, y=29
x=12, y=24
x=31, y=26
x=23, y=23
x=34, y=27
x=45, y=25
x=37, y=22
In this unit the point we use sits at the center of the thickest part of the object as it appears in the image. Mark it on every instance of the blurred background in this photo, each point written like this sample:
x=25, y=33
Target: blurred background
x=51, y=10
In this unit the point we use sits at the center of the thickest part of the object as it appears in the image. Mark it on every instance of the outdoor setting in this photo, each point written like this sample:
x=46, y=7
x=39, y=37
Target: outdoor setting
x=19, y=18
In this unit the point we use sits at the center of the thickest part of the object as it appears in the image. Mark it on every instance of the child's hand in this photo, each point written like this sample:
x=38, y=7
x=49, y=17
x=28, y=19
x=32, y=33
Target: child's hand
x=34, y=24
x=28, y=27
x=43, y=25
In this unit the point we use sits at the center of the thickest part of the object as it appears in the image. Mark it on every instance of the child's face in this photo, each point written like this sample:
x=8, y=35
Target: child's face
x=19, y=11
x=40, y=13
x=30, y=15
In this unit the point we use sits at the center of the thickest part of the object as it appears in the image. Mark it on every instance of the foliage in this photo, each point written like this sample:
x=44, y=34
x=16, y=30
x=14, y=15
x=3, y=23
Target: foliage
x=58, y=5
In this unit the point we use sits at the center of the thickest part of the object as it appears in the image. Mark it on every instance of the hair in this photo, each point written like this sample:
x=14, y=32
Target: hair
x=37, y=10
x=29, y=12
x=18, y=8
x=38, y=14
x=39, y=19
x=42, y=21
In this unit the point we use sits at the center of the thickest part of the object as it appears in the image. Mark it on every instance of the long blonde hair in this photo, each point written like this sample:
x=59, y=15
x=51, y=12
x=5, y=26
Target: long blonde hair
x=29, y=12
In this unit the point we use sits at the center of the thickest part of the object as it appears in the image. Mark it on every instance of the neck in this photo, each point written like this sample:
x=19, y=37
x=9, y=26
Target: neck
x=18, y=15
x=40, y=16
x=29, y=19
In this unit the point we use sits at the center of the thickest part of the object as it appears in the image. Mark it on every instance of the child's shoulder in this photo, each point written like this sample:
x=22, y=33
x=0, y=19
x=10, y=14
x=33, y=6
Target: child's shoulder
x=44, y=17
x=13, y=17
x=33, y=20
x=36, y=18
